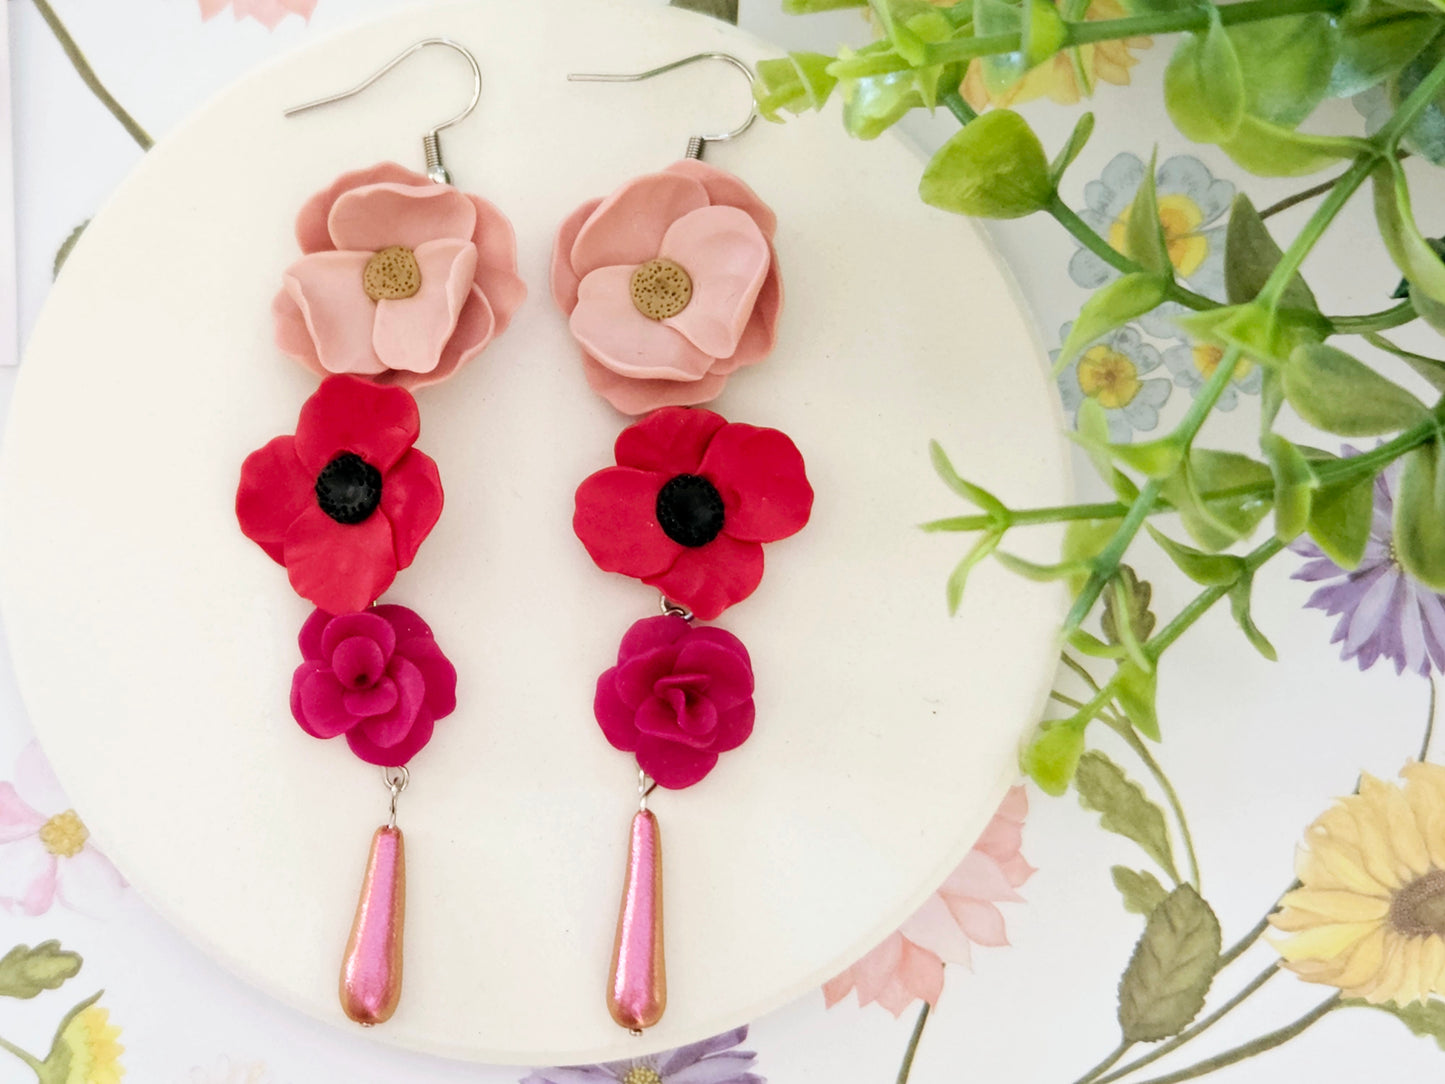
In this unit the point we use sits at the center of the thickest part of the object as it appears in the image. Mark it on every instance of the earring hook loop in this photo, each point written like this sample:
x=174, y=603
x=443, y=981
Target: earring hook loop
x=431, y=141
x=695, y=143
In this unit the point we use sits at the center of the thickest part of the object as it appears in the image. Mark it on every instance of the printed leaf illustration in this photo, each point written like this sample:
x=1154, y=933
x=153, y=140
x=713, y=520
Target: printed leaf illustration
x=1141, y=890
x=1137, y=594
x=1124, y=808
x=26, y=971
x=1168, y=976
x=1424, y=1018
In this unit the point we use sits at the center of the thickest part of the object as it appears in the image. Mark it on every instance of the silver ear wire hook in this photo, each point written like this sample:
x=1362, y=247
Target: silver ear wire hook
x=431, y=142
x=695, y=143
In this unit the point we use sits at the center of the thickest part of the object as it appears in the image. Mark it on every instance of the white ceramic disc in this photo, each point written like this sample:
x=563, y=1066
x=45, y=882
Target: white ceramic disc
x=154, y=644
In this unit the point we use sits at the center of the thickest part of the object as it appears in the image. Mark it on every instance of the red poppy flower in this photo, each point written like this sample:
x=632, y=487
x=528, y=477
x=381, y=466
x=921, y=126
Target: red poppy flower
x=347, y=501
x=691, y=501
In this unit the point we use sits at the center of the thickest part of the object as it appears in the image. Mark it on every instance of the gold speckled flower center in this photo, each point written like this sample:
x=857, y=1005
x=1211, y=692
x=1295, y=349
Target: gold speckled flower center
x=63, y=835
x=660, y=288
x=642, y=1074
x=392, y=274
x=1109, y=377
x=1418, y=909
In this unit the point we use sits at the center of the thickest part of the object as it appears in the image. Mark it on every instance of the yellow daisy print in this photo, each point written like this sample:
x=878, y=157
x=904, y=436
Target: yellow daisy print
x=1056, y=78
x=90, y=1038
x=1369, y=917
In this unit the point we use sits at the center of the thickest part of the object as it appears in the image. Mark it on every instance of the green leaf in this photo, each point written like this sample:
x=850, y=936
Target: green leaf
x=1286, y=64
x=1091, y=427
x=1104, y=788
x=1220, y=522
x=1376, y=46
x=967, y=490
x=1250, y=255
x=1084, y=540
x=810, y=7
x=797, y=83
x=1169, y=974
x=1143, y=231
x=1137, y=688
x=1419, y=527
x=1154, y=458
x=873, y=105
x=1340, y=394
x=1407, y=247
x=1431, y=369
x=1424, y=1018
x=1340, y=520
x=1206, y=569
x=1239, y=599
x=1294, y=486
x=1111, y=306
x=1131, y=602
x=993, y=167
x=1083, y=129
x=1032, y=570
x=1204, y=86
x=1052, y=757
x=953, y=590
x=1270, y=150
x=1044, y=32
x=1426, y=133
x=1141, y=890
x=26, y=971
x=63, y=252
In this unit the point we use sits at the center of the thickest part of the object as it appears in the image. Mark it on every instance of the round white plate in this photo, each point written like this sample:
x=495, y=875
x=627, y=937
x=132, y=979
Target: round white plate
x=154, y=644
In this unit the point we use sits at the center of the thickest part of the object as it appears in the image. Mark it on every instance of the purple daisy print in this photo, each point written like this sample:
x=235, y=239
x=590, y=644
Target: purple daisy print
x=1384, y=612
x=712, y=1061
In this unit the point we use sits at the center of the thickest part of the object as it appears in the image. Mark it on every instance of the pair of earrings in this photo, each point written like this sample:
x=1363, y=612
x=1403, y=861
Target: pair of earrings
x=669, y=285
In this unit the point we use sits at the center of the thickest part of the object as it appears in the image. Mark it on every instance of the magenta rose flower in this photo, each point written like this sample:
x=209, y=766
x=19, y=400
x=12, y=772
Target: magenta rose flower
x=403, y=280
x=376, y=676
x=670, y=285
x=678, y=696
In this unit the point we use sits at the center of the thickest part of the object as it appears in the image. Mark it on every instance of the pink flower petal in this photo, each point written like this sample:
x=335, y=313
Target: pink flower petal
x=35, y=781
x=27, y=877
x=727, y=258
x=981, y=922
x=726, y=189
x=612, y=330
x=934, y=927
x=838, y=987
x=564, y=280
x=875, y=970
x=379, y=216
x=673, y=766
x=761, y=334
x=392, y=756
x=318, y=703
x=410, y=333
x=327, y=288
x=628, y=226
x=17, y=819
x=293, y=336
x=311, y=232
x=979, y=877
x=377, y=700
x=496, y=273
x=367, y=624
x=88, y=882
x=391, y=727
x=639, y=396
x=734, y=726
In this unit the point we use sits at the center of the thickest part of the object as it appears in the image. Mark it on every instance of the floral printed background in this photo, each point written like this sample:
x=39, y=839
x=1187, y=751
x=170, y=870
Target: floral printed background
x=1010, y=970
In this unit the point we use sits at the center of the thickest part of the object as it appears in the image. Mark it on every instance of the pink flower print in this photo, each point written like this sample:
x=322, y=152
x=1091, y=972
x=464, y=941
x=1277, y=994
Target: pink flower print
x=267, y=12
x=908, y=965
x=45, y=850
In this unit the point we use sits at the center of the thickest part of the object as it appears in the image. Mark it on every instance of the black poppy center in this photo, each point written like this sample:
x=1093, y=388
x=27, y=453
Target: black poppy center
x=690, y=510
x=348, y=489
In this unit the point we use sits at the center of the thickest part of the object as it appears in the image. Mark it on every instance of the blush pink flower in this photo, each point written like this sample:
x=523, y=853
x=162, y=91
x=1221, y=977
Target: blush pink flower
x=701, y=237
x=908, y=965
x=403, y=280
x=267, y=12
x=45, y=851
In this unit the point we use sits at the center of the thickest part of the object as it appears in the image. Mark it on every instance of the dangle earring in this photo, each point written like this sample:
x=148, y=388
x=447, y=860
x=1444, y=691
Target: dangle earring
x=670, y=285
x=403, y=279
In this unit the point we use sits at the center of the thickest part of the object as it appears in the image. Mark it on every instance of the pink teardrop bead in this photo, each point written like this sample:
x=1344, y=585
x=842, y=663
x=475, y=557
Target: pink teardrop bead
x=371, y=969
x=637, y=987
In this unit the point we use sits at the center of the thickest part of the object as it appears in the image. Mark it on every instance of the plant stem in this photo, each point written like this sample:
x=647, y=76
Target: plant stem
x=1250, y=1049
x=1394, y=316
x=1104, y=1066
x=1198, y=1029
x=29, y=1059
x=957, y=106
x=1207, y=598
x=1340, y=193
x=907, y=1066
x=1388, y=137
x=89, y=78
x=1429, y=722
x=1296, y=199
x=1234, y=951
x=1142, y=752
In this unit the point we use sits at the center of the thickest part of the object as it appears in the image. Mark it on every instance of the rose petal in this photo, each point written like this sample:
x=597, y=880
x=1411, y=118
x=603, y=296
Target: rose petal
x=318, y=704
x=636, y=676
x=275, y=488
x=378, y=216
x=628, y=226
x=727, y=189
x=708, y=579
x=761, y=477
x=406, y=623
x=616, y=520
x=727, y=258
x=730, y=678
x=734, y=726
x=350, y=415
x=337, y=566
x=639, y=396
x=311, y=231
x=615, y=717
x=377, y=700
x=436, y=670
x=496, y=272
x=671, y=765
x=410, y=332
x=358, y=663
x=612, y=330
x=651, y=633
x=671, y=441
x=391, y=727
x=411, y=498
x=564, y=280
x=398, y=754
x=327, y=288
x=368, y=625
x=656, y=718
